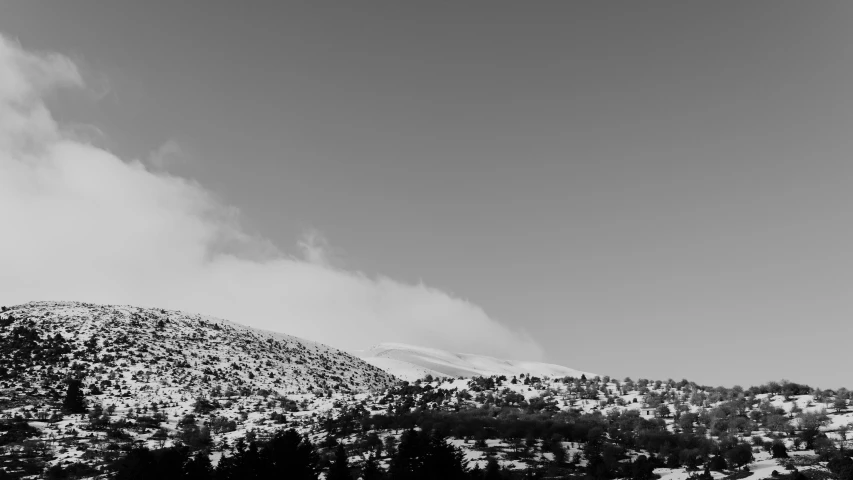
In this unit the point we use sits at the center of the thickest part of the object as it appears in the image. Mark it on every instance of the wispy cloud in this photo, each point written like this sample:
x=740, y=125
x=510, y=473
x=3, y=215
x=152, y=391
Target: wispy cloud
x=79, y=223
x=166, y=155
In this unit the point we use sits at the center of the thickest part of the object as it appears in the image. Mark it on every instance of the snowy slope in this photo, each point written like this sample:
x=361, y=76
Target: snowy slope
x=142, y=352
x=411, y=362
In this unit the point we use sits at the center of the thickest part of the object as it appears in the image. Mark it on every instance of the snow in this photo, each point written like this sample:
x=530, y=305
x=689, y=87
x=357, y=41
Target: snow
x=409, y=362
x=191, y=356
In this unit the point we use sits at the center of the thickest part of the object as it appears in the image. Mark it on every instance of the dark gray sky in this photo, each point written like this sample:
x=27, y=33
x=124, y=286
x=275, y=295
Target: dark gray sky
x=655, y=189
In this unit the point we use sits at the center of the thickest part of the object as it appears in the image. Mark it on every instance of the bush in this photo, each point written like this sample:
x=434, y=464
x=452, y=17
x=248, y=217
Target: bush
x=74, y=470
x=717, y=464
x=779, y=450
x=842, y=466
x=739, y=455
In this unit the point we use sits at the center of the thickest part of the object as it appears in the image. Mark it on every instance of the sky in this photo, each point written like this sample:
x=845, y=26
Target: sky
x=646, y=189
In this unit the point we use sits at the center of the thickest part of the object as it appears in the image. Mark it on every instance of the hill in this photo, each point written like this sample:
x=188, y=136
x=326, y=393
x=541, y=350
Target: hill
x=409, y=362
x=142, y=353
x=178, y=383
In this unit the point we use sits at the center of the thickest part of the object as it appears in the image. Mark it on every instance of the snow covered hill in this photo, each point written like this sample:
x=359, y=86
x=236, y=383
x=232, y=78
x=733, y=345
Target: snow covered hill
x=161, y=378
x=409, y=362
x=124, y=351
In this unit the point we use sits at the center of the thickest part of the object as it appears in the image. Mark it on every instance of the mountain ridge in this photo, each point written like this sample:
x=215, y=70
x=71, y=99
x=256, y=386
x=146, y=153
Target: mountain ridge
x=185, y=348
x=410, y=362
x=122, y=395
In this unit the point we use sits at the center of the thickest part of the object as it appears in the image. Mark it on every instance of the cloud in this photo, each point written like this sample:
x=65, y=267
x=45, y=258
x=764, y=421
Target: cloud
x=315, y=248
x=79, y=223
x=166, y=155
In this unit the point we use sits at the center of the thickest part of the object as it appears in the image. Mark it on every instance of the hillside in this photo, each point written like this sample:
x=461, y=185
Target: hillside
x=409, y=362
x=142, y=353
x=175, y=382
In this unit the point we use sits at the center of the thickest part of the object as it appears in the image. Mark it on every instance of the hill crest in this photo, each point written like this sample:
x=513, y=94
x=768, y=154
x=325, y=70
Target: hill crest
x=131, y=349
x=410, y=362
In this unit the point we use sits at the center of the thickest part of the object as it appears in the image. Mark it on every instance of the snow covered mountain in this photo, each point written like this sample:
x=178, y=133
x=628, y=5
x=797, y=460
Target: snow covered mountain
x=155, y=378
x=139, y=353
x=409, y=362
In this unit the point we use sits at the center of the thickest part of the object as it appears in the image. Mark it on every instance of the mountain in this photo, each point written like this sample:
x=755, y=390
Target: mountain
x=145, y=353
x=85, y=389
x=409, y=362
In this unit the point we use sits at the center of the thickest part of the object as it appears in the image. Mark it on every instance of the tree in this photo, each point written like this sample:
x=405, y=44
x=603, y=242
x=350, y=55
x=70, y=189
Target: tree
x=717, y=464
x=687, y=420
x=558, y=451
x=422, y=457
x=370, y=470
x=74, y=402
x=373, y=443
x=160, y=436
x=839, y=404
x=339, y=470
x=810, y=424
x=779, y=450
x=642, y=469
x=390, y=445
x=443, y=460
x=203, y=406
x=244, y=462
x=163, y=464
x=408, y=461
x=595, y=467
x=139, y=463
x=842, y=433
x=842, y=466
x=289, y=455
x=739, y=455
x=493, y=470
x=777, y=423
x=198, y=467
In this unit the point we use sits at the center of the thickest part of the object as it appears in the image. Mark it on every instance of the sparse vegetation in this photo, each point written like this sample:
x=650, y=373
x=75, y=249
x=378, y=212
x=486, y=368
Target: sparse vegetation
x=88, y=390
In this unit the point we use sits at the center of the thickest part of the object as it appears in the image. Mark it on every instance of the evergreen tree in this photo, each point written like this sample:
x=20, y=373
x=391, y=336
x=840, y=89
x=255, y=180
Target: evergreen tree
x=371, y=470
x=198, y=467
x=339, y=470
x=74, y=401
x=493, y=470
x=407, y=463
x=426, y=457
x=244, y=463
x=138, y=464
x=289, y=455
x=779, y=450
x=170, y=463
x=443, y=460
x=163, y=464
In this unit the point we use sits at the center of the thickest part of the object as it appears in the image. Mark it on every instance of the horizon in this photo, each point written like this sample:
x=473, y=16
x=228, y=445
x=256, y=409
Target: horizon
x=588, y=375
x=656, y=191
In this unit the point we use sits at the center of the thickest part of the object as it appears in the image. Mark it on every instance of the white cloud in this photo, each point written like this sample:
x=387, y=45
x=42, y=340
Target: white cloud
x=79, y=223
x=166, y=155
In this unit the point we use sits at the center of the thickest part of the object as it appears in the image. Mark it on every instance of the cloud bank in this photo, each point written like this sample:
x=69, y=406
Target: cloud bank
x=79, y=223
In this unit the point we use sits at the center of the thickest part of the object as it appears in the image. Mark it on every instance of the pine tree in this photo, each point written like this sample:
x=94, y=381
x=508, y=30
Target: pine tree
x=289, y=455
x=493, y=470
x=198, y=467
x=370, y=470
x=443, y=460
x=408, y=461
x=339, y=470
x=74, y=401
x=426, y=457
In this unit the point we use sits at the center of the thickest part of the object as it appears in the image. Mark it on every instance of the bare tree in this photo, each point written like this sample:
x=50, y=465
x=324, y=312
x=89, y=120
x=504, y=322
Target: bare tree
x=842, y=433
